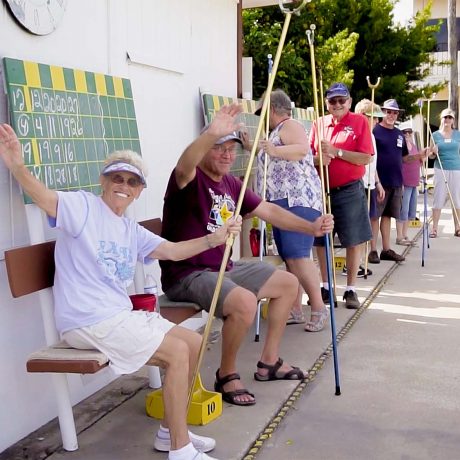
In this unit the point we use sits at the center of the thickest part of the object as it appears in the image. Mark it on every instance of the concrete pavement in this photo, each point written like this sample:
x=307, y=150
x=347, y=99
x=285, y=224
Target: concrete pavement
x=398, y=372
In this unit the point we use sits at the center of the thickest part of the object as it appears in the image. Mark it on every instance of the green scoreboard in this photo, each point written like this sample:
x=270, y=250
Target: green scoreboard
x=68, y=121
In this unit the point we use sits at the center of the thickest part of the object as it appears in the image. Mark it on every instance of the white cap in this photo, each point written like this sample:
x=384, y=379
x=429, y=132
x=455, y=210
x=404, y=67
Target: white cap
x=117, y=166
x=405, y=125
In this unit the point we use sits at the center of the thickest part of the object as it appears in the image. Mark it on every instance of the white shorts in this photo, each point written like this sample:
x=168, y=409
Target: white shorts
x=440, y=189
x=129, y=339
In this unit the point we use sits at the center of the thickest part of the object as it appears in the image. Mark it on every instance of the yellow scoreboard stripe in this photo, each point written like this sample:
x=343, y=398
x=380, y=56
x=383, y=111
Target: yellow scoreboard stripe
x=35, y=152
x=32, y=74
x=216, y=103
x=101, y=88
x=27, y=98
x=80, y=81
x=118, y=86
x=247, y=106
x=57, y=77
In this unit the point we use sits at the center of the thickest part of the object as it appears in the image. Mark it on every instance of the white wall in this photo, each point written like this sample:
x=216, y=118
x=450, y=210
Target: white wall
x=439, y=8
x=175, y=47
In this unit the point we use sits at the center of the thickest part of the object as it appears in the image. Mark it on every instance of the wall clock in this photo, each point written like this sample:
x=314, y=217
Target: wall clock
x=40, y=17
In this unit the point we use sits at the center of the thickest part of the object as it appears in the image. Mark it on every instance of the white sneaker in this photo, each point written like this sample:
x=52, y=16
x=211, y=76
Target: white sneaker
x=203, y=456
x=200, y=443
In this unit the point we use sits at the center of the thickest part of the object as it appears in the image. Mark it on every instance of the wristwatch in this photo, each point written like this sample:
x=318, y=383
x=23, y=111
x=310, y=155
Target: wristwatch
x=340, y=153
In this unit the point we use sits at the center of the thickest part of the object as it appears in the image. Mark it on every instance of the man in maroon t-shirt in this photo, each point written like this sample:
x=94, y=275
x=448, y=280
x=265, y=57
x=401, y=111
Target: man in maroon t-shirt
x=200, y=196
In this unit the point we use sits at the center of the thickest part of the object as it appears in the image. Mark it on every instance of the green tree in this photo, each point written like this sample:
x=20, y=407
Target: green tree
x=353, y=40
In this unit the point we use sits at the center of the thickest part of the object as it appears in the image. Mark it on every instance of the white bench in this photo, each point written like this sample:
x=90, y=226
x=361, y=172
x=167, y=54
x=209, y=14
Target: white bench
x=31, y=269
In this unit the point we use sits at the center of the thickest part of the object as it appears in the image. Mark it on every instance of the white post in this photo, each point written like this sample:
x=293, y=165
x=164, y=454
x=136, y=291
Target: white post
x=60, y=383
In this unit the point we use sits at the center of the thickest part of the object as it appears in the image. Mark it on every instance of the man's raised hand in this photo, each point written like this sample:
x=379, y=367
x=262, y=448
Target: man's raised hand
x=224, y=121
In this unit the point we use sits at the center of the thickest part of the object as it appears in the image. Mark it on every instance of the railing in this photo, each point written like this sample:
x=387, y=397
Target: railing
x=439, y=69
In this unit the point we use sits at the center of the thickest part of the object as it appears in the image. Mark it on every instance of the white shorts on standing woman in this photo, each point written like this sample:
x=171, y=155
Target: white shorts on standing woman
x=440, y=189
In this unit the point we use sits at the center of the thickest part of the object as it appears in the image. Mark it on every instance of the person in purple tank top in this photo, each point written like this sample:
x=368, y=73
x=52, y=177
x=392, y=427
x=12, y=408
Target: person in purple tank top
x=201, y=195
x=411, y=179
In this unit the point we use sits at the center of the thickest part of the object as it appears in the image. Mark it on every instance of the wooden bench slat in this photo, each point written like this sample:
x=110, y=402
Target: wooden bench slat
x=152, y=225
x=31, y=268
x=74, y=366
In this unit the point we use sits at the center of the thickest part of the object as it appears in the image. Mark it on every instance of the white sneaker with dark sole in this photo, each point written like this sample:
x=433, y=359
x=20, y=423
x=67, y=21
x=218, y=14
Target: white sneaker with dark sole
x=200, y=443
x=202, y=456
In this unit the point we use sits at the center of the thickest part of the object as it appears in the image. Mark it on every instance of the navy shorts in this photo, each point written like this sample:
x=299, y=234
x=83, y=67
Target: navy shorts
x=373, y=205
x=391, y=205
x=294, y=245
x=351, y=217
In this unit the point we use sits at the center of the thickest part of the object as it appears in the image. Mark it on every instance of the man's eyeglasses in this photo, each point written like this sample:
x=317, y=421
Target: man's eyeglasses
x=391, y=112
x=221, y=149
x=337, y=100
x=133, y=182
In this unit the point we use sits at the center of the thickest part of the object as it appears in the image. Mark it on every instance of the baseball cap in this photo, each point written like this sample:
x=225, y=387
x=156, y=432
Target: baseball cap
x=118, y=166
x=391, y=104
x=337, y=89
x=233, y=136
x=447, y=112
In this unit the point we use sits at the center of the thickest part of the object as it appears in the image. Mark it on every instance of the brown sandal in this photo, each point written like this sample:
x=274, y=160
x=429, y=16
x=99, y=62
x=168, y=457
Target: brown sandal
x=230, y=396
x=457, y=232
x=294, y=374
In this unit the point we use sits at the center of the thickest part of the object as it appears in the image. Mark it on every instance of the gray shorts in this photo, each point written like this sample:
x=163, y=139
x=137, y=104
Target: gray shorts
x=199, y=286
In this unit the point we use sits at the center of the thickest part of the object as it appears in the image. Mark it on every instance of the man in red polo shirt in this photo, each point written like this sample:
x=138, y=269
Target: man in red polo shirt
x=346, y=145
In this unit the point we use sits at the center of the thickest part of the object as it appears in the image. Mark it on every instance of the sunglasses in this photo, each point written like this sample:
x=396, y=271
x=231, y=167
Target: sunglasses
x=391, y=112
x=221, y=149
x=132, y=182
x=337, y=100
x=449, y=116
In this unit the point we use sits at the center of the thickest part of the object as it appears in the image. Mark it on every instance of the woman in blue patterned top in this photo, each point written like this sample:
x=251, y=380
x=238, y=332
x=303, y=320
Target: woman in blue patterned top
x=447, y=154
x=292, y=182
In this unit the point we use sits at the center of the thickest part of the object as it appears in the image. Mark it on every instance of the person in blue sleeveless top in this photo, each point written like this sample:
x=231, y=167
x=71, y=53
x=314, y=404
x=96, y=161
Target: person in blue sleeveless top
x=447, y=154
